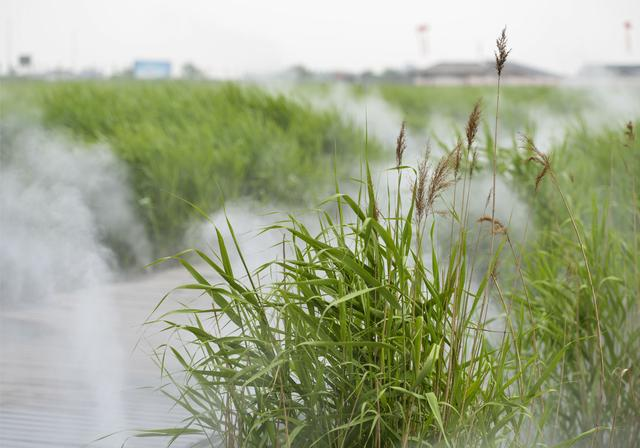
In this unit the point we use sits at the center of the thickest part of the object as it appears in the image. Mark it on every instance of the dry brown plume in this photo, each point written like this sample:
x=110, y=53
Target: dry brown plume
x=440, y=179
x=401, y=144
x=426, y=195
x=457, y=157
x=472, y=123
x=420, y=187
x=538, y=157
x=502, y=52
x=497, y=226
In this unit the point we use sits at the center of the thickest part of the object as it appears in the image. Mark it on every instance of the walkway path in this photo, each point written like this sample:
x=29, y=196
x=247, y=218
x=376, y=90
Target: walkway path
x=70, y=371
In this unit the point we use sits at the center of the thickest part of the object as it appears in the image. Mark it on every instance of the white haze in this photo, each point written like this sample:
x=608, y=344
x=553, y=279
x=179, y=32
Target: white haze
x=611, y=103
x=59, y=204
x=248, y=219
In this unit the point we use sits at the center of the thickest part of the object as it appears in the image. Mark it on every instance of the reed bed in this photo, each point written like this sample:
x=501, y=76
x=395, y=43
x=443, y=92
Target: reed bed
x=367, y=331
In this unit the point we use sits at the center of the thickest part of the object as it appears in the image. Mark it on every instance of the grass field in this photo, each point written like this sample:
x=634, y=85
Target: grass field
x=399, y=318
x=420, y=103
x=199, y=143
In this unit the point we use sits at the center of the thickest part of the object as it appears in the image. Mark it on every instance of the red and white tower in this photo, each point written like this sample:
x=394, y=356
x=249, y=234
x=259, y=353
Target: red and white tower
x=627, y=35
x=422, y=31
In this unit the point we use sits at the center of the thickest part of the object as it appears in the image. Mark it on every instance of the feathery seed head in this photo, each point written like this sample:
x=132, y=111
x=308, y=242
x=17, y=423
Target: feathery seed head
x=497, y=226
x=457, y=156
x=420, y=187
x=401, y=145
x=538, y=157
x=472, y=124
x=440, y=179
x=502, y=52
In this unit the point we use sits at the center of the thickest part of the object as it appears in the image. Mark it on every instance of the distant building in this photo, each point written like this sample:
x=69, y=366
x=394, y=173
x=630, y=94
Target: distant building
x=25, y=65
x=151, y=69
x=24, y=60
x=399, y=76
x=90, y=73
x=452, y=73
x=619, y=72
x=479, y=73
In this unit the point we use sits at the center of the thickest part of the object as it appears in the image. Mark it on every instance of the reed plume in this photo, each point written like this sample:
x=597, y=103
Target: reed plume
x=501, y=59
x=420, y=187
x=440, y=179
x=457, y=157
x=496, y=226
x=538, y=157
x=471, y=129
x=502, y=52
x=401, y=144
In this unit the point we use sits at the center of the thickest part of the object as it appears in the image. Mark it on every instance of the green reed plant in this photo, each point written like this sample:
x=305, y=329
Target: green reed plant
x=596, y=382
x=584, y=280
x=426, y=107
x=360, y=334
x=366, y=333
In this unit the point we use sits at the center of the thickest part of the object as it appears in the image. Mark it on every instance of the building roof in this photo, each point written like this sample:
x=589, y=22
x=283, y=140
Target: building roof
x=616, y=70
x=480, y=69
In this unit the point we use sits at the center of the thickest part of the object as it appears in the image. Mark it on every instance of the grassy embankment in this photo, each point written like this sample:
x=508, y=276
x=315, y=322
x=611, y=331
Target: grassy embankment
x=419, y=103
x=198, y=142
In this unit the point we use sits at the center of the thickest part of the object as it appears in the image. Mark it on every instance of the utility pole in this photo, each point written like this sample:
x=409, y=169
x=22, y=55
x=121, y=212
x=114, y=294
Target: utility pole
x=73, y=50
x=627, y=36
x=422, y=31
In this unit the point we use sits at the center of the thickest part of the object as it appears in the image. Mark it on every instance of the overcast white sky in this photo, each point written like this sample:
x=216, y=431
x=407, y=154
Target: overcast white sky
x=231, y=38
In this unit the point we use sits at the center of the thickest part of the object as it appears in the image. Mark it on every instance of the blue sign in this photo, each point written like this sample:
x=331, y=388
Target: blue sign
x=146, y=69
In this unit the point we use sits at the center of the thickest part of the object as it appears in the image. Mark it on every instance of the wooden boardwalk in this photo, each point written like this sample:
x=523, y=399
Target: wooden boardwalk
x=70, y=371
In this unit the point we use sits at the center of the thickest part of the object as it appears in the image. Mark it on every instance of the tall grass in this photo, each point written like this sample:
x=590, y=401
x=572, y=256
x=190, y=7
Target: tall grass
x=362, y=333
x=584, y=275
x=367, y=331
x=201, y=143
x=359, y=335
x=427, y=106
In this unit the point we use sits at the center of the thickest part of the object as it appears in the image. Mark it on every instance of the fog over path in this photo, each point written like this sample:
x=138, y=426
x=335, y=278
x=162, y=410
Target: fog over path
x=73, y=368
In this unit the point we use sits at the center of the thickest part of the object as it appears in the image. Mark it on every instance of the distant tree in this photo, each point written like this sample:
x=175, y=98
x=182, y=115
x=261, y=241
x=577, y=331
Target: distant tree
x=127, y=73
x=368, y=76
x=190, y=71
x=300, y=72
